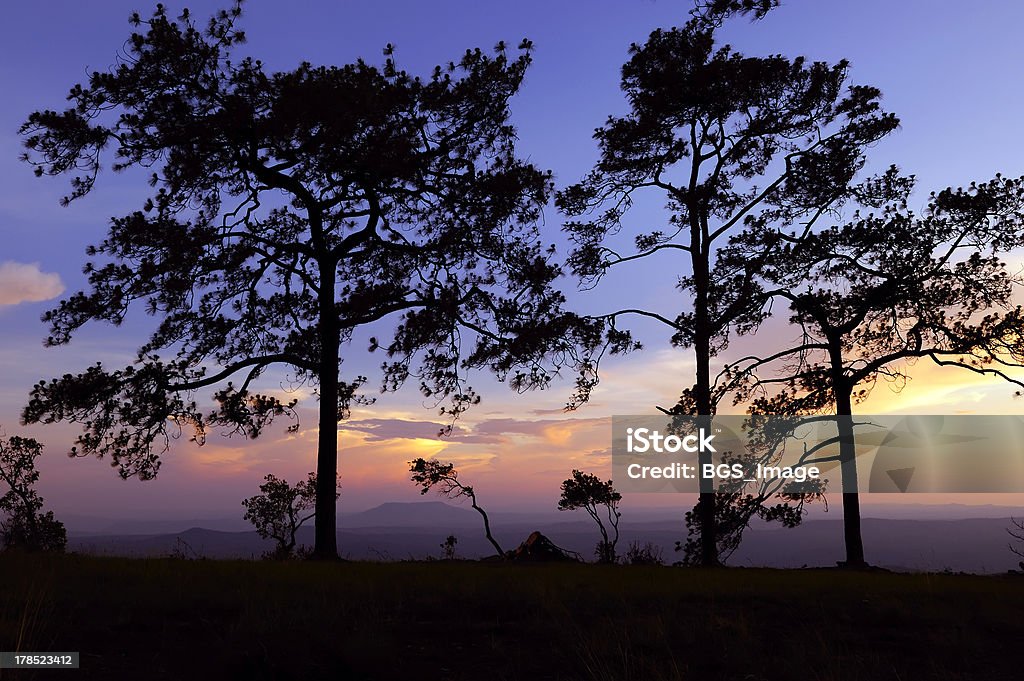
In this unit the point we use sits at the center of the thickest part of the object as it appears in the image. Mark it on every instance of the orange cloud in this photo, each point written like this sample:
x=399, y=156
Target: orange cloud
x=932, y=389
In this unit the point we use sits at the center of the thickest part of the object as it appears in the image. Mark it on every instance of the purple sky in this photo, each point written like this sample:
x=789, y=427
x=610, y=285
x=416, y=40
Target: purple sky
x=949, y=70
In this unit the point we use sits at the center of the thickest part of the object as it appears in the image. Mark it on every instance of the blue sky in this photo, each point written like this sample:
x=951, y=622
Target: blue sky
x=948, y=70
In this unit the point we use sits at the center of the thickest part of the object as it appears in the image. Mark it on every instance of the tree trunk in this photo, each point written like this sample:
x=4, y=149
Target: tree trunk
x=606, y=551
x=487, y=527
x=325, y=529
x=613, y=518
x=842, y=391
x=702, y=398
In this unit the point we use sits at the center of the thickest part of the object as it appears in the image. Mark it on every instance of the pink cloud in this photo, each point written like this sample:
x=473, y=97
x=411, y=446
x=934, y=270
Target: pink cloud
x=26, y=283
x=402, y=429
x=542, y=428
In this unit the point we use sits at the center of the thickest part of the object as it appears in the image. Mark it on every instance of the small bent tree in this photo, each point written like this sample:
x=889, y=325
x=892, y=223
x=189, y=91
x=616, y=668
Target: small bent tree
x=596, y=497
x=23, y=525
x=431, y=473
x=290, y=211
x=280, y=509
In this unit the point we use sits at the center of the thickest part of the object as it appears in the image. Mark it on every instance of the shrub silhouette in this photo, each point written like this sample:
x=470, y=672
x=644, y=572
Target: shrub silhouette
x=597, y=498
x=448, y=547
x=281, y=509
x=647, y=553
x=23, y=525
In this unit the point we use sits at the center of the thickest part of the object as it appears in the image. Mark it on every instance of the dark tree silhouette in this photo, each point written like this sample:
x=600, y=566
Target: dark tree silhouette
x=727, y=141
x=740, y=502
x=289, y=210
x=881, y=291
x=23, y=525
x=280, y=509
x=647, y=553
x=430, y=474
x=596, y=497
x=715, y=12
x=1016, y=530
x=448, y=547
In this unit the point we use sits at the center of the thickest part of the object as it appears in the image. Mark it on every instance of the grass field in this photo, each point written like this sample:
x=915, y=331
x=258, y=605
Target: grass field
x=179, y=619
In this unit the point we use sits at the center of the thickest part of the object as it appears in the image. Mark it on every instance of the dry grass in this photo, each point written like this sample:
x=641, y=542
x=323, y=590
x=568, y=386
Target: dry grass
x=172, y=619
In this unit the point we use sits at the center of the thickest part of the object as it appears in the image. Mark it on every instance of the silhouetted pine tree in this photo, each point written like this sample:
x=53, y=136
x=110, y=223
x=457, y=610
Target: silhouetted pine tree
x=884, y=289
x=289, y=210
x=726, y=141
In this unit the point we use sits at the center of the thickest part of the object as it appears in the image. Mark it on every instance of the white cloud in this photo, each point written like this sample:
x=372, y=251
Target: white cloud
x=26, y=283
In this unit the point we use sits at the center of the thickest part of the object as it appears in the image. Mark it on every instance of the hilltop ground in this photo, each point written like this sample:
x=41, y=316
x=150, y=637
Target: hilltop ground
x=174, y=619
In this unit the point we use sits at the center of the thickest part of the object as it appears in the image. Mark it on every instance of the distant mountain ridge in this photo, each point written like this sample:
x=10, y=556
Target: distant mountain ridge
x=431, y=513
x=405, y=514
x=397, y=531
